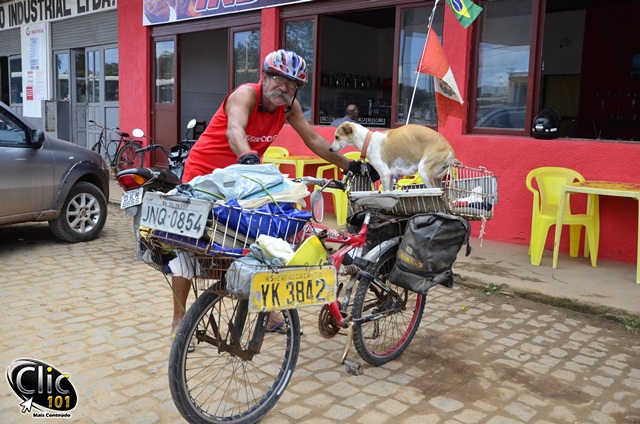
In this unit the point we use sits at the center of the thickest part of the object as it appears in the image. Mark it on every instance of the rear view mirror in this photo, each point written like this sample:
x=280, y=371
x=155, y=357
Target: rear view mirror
x=191, y=124
x=137, y=132
x=37, y=138
x=317, y=206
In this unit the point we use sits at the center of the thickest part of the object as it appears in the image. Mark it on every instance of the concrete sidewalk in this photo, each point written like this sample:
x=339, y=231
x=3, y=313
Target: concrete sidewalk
x=608, y=289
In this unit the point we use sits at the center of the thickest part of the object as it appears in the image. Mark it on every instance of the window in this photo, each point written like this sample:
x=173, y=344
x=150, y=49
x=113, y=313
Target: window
x=300, y=38
x=578, y=65
x=357, y=49
x=246, y=57
x=111, y=79
x=11, y=133
x=81, y=78
x=62, y=76
x=413, y=36
x=15, y=70
x=93, y=76
x=503, y=64
x=165, y=74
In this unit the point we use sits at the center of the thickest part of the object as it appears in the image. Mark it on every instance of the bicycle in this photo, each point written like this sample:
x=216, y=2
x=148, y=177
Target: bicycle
x=239, y=370
x=121, y=153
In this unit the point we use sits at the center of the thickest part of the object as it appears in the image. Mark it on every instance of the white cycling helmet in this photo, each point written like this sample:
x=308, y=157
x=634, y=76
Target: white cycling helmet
x=288, y=64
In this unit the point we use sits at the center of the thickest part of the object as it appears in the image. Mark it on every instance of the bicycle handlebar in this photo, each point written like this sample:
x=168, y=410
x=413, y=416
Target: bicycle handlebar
x=115, y=129
x=324, y=183
x=152, y=147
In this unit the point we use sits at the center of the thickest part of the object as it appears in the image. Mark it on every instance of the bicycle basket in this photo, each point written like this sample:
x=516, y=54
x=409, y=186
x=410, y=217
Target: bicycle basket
x=232, y=229
x=467, y=192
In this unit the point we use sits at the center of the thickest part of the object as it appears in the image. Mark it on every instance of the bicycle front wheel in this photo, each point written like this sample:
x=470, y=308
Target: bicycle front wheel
x=221, y=381
x=127, y=157
x=383, y=339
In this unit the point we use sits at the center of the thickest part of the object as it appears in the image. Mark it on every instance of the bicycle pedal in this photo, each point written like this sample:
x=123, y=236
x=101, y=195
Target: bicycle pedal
x=353, y=367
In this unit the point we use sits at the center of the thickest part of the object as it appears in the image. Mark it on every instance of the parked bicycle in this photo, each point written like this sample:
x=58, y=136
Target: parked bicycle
x=120, y=154
x=239, y=369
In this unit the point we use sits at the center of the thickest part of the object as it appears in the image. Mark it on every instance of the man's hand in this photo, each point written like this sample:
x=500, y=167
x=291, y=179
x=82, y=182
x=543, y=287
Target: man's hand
x=249, y=158
x=355, y=167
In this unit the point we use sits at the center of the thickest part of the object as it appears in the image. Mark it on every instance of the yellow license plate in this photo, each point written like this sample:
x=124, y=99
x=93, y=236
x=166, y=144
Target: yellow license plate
x=292, y=287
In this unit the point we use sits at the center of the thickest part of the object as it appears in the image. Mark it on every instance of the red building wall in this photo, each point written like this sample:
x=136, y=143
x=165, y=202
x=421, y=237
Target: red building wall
x=134, y=55
x=510, y=158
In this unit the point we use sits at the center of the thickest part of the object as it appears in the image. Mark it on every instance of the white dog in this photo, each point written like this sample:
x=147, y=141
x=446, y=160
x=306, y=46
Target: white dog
x=399, y=152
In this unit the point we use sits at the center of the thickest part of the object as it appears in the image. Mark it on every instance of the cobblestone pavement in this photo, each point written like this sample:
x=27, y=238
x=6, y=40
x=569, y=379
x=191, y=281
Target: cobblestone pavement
x=93, y=311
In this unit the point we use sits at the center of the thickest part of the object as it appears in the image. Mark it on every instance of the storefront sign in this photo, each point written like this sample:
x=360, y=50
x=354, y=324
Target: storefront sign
x=24, y=12
x=163, y=11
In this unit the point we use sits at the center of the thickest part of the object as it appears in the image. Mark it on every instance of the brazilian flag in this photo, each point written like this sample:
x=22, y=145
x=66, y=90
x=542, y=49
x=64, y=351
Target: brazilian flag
x=465, y=10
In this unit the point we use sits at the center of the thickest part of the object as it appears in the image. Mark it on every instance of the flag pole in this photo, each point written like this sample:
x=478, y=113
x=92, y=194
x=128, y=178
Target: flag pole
x=415, y=86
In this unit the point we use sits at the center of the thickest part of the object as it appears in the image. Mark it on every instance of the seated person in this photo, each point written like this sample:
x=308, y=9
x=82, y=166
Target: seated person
x=352, y=114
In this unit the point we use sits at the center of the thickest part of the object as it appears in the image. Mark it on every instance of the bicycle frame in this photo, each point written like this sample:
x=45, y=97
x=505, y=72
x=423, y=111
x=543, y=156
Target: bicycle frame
x=104, y=143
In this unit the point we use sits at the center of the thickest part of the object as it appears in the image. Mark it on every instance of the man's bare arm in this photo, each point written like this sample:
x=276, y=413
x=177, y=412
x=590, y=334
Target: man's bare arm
x=238, y=107
x=314, y=141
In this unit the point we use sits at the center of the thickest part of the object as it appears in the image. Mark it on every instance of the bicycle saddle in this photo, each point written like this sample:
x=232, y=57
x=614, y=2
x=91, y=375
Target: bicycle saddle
x=378, y=201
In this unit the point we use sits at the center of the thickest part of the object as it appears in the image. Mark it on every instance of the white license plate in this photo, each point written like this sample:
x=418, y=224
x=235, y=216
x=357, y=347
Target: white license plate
x=132, y=198
x=292, y=288
x=176, y=215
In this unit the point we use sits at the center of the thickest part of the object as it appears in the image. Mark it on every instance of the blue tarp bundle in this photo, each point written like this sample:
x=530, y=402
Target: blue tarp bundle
x=280, y=221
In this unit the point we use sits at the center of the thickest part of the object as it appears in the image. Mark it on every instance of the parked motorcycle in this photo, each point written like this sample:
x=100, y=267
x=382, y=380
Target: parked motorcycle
x=137, y=181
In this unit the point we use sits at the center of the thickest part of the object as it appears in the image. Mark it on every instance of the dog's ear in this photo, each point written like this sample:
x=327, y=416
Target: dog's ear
x=348, y=129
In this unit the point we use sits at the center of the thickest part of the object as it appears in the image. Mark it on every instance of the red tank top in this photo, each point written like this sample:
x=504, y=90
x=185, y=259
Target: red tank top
x=212, y=150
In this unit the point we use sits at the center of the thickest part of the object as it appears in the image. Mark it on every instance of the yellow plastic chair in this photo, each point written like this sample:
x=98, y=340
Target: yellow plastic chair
x=546, y=197
x=276, y=152
x=409, y=181
x=340, y=199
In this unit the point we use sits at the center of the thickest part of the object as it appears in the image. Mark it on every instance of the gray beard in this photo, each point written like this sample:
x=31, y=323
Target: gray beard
x=279, y=93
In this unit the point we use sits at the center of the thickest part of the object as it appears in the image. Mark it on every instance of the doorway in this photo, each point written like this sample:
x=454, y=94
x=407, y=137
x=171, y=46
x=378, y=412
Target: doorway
x=86, y=88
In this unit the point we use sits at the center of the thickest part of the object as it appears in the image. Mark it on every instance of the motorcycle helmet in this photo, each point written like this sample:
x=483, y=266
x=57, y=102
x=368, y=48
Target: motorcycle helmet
x=288, y=64
x=546, y=124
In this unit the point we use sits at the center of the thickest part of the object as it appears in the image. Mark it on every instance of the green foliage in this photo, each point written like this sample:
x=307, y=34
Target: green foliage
x=490, y=289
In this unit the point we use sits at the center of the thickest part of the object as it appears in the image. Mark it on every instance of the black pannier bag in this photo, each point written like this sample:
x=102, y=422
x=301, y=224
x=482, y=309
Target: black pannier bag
x=428, y=249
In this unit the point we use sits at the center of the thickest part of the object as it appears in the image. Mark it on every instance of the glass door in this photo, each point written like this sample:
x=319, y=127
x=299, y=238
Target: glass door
x=78, y=97
x=15, y=81
x=61, y=95
x=166, y=90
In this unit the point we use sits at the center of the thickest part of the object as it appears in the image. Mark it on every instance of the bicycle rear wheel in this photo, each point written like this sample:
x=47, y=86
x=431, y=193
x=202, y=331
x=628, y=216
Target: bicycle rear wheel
x=214, y=384
x=127, y=157
x=384, y=339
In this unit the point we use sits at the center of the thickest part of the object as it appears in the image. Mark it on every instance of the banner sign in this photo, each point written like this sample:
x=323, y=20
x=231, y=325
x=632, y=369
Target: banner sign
x=35, y=47
x=24, y=12
x=163, y=11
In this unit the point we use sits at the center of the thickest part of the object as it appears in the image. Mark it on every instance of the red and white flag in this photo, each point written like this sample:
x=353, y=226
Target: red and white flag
x=434, y=62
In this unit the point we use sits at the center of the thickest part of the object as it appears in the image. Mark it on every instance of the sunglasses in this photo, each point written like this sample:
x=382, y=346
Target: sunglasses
x=279, y=79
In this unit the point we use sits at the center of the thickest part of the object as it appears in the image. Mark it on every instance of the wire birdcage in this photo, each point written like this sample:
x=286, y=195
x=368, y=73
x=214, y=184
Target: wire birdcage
x=467, y=192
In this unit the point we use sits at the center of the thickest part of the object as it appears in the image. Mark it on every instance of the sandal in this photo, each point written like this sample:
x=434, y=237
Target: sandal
x=280, y=328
